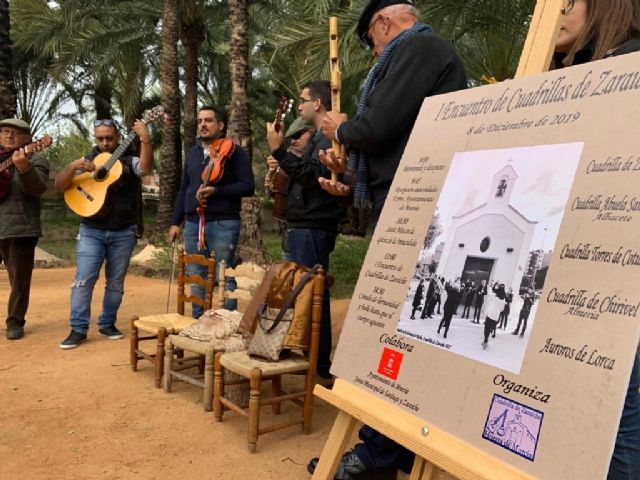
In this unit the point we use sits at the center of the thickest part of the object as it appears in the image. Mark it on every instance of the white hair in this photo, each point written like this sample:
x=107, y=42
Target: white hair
x=401, y=9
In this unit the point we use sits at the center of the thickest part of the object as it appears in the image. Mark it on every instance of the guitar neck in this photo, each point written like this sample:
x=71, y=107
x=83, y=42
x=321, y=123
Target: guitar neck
x=7, y=163
x=117, y=153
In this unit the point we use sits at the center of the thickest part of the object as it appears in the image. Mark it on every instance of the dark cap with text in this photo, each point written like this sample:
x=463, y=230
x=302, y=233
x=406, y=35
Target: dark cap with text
x=373, y=7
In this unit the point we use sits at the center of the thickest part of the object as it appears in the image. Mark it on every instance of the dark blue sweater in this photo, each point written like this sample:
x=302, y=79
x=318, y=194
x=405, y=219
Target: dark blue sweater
x=236, y=182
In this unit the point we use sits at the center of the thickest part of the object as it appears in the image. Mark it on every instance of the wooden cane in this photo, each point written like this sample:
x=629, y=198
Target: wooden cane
x=336, y=81
x=173, y=271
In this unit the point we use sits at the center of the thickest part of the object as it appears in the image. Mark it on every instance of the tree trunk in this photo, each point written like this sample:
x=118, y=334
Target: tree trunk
x=171, y=159
x=191, y=36
x=102, y=97
x=250, y=246
x=7, y=89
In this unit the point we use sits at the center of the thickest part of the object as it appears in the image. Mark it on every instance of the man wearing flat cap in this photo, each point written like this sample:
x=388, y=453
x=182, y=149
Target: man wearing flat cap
x=20, y=217
x=313, y=215
x=298, y=135
x=412, y=63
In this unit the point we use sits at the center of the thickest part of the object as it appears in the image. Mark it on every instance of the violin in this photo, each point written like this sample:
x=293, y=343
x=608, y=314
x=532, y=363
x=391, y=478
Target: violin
x=220, y=151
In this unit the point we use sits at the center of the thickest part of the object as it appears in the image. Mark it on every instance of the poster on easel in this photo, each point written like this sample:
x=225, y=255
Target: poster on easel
x=498, y=300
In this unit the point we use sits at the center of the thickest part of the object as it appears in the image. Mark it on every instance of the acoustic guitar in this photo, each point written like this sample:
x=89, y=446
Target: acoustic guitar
x=278, y=180
x=90, y=193
x=6, y=173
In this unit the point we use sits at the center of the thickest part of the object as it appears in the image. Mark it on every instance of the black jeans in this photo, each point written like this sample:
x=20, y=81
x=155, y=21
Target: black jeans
x=524, y=316
x=18, y=256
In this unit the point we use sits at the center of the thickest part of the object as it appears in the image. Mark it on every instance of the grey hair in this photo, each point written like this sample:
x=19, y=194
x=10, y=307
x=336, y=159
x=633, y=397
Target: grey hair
x=402, y=9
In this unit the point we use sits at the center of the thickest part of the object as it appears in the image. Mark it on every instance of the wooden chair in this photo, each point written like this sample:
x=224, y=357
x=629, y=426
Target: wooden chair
x=248, y=278
x=254, y=372
x=157, y=327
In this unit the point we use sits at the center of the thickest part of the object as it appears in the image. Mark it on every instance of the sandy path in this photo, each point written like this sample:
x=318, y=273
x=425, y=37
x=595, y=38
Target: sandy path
x=84, y=414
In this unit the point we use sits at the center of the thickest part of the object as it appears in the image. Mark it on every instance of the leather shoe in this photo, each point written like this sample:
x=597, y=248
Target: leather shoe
x=15, y=332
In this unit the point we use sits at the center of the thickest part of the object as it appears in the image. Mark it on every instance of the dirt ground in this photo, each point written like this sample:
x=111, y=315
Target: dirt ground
x=83, y=414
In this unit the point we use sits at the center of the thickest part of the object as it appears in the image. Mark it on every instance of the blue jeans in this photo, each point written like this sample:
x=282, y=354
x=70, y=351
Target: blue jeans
x=94, y=247
x=309, y=247
x=625, y=463
x=221, y=237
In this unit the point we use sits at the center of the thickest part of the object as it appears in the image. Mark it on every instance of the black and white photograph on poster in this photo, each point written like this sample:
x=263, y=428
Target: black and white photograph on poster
x=486, y=254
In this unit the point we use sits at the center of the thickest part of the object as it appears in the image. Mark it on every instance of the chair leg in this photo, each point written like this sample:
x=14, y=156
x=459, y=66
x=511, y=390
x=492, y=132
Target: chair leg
x=133, y=346
x=218, y=388
x=208, y=379
x=307, y=408
x=162, y=334
x=168, y=366
x=254, y=408
x=276, y=391
x=201, y=365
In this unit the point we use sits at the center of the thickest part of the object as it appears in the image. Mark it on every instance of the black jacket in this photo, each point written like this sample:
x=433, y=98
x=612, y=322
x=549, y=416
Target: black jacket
x=420, y=66
x=308, y=205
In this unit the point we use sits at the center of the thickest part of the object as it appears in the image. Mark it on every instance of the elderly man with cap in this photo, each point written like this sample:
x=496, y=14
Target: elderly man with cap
x=298, y=135
x=312, y=214
x=20, y=218
x=413, y=63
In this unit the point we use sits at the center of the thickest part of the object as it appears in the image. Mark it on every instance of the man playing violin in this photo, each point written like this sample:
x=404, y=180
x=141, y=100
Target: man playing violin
x=212, y=202
x=109, y=238
x=20, y=218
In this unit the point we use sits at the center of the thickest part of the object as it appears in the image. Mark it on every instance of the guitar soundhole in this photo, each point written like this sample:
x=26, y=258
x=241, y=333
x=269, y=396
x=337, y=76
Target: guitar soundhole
x=85, y=193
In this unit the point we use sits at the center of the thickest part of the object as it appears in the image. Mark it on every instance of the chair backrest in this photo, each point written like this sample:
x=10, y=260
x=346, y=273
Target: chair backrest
x=316, y=316
x=248, y=278
x=184, y=279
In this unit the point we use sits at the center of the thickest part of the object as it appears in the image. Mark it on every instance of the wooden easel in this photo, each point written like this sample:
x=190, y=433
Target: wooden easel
x=435, y=449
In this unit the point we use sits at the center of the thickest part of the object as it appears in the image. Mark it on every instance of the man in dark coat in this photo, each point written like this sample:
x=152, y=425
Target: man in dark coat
x=20, y=227
x=413, y=63
x=417, y=299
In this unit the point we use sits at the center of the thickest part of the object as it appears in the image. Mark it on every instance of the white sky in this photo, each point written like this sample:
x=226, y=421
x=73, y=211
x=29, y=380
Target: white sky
x=545, y=176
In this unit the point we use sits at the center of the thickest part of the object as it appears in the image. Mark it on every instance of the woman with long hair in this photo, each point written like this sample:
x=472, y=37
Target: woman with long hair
x=593, y=30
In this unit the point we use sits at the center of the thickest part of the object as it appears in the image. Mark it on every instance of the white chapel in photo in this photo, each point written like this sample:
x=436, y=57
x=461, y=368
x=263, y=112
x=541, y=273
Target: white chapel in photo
x=492, y=241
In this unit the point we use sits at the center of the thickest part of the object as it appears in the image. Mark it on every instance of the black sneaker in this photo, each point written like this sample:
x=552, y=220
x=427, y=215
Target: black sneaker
x=73, y=340
x=15, y=332
x=111, y=332
x=352, y=468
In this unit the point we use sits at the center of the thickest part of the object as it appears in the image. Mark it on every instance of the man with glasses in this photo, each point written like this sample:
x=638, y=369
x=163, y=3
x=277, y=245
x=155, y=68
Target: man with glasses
x=109, y=238
x=413, y=63
x=20, y=217
x=312, y=214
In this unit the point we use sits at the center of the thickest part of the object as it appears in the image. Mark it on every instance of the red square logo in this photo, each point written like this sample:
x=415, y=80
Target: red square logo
x=390, y=363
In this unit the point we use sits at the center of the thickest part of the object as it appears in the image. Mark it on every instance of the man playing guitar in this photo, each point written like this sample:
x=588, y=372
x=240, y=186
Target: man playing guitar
x=20, y=218
x=110, y=237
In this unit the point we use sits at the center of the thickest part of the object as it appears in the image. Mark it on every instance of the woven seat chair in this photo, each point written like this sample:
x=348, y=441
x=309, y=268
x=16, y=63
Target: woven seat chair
x=248, y=278
x=254, y=372
x=158, y=327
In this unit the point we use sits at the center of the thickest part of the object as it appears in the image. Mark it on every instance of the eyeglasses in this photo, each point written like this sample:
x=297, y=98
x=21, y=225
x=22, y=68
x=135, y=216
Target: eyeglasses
x=568, y=7
x=106, y=122
x=297, y=135
x=9, y=132
x=304, y=100
x=368, y=36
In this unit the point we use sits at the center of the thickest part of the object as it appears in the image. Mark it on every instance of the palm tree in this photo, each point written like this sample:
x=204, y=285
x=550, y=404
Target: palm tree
x=101, y=47
x=250, y=245
x=7, y=90
x=192, y=34
x=171, y=160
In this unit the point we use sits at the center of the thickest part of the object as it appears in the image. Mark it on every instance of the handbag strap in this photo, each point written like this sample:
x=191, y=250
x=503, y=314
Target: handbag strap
x=292, y=296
